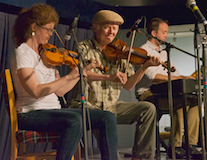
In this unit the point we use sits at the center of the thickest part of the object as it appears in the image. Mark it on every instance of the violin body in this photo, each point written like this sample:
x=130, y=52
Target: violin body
x=56, y=57
x=119, y=50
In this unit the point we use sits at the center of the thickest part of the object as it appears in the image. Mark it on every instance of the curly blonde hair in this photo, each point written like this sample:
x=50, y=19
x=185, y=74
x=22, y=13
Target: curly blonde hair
x=41, y=14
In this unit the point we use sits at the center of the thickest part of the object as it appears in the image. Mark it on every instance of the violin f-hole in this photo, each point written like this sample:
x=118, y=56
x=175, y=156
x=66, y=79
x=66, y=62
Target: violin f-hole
x=51, y=49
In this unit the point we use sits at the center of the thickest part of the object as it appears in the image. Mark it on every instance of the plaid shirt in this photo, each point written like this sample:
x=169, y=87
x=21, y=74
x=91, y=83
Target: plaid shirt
x=99, y=94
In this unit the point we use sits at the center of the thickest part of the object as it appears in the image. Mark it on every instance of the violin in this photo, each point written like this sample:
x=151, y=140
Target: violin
x=118, y=49
x=57, y=57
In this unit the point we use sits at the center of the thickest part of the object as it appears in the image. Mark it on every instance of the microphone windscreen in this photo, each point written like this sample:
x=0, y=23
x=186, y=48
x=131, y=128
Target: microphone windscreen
x=67, y=37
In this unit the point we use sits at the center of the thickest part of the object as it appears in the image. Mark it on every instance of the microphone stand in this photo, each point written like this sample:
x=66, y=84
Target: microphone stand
x=82, y=87
x=197, y=47
x=170, y=100
x=168, y=47
x=204, y=43
x=82, y=96
x=204, y=59
x=135, y=27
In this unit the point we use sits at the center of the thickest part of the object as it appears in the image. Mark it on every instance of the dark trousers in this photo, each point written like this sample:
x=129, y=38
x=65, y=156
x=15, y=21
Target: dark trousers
x=68, y=123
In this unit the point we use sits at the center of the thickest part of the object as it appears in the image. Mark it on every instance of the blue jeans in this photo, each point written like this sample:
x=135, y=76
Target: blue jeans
x=68, y=123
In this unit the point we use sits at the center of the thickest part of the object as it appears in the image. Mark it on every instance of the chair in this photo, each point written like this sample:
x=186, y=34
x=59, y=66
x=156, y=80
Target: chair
x=23, y=137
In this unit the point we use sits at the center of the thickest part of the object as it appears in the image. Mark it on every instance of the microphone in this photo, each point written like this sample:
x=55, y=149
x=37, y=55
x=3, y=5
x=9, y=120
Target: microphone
x=71, y=27
x=134, y=27
x=162, y=42
x=192, y=5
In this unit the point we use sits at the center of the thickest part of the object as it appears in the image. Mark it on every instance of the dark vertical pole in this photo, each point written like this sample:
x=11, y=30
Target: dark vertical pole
x=197, y=42
x=170, y=101
x=82, y=97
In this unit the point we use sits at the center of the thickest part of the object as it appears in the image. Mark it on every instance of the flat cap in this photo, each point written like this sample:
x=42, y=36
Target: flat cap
x=107, y=16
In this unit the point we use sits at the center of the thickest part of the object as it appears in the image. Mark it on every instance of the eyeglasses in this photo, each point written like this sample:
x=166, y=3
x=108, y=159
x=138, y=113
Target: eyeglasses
x=48, y=30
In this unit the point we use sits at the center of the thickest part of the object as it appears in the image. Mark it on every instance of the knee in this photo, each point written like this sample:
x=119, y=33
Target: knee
x=110, y=117
x=75, y=121
x=196, y=118
x=151, y=109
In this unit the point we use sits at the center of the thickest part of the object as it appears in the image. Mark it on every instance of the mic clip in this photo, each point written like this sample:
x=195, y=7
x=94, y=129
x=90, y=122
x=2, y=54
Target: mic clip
x=134, y=27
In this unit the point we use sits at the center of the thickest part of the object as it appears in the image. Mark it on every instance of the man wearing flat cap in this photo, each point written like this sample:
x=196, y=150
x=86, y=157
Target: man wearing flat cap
x=104, y=89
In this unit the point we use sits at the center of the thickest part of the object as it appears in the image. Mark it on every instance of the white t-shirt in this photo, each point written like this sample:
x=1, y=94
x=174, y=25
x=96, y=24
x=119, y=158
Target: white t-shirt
x=151, y=71
x=28, y=58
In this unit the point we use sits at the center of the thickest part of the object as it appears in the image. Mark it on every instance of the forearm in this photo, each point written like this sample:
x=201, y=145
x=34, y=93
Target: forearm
x=40, y=90
x=97, y=77
x=134, y=79
x=162, y=78
x=74, y=79
x=67, y=87
x=32, y=86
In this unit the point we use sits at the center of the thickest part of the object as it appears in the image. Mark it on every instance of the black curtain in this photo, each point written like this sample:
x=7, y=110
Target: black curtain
x=7, y=51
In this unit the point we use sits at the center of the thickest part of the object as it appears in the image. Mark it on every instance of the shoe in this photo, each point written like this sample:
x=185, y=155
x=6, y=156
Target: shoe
x=179, y=152
x=195, y=154
x=127, y=155
x=193, y=149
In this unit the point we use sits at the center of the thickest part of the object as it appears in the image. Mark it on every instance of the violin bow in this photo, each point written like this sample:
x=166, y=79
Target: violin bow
x=134, y=28
x=130, y=50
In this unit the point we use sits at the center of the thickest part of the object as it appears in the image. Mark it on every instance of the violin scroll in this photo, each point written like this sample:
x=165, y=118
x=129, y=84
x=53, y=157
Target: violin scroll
x=165, y=65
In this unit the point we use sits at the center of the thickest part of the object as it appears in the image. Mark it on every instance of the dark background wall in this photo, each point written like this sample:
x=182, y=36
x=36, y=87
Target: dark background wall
x=173, y=10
